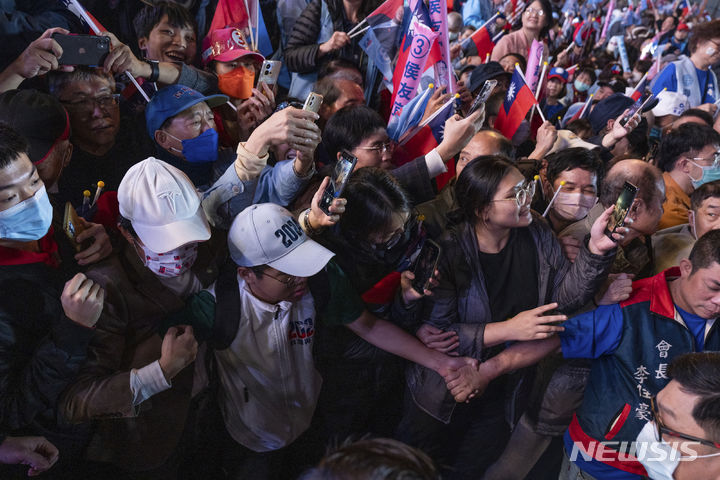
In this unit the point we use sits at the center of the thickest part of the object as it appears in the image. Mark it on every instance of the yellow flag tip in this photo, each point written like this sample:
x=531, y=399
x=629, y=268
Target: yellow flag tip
x=101, y=184
x=86, y=193
x=431, y=86
x=457, y=95
x=536, y=177
x=563, y=183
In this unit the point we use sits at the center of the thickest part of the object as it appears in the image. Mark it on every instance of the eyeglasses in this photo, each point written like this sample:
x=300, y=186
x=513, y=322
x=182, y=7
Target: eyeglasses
x=522, y=194
x=381, y=149
x=410, y=224
x=660, y=428
x=539, y=12
x=715, y=157
x=290, y=280
x=88, y=103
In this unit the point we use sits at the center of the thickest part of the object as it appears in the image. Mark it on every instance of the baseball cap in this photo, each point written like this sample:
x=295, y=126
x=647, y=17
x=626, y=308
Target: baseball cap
x=483, y=72
x=567, y=139
x=559, y=73
x=267, y=234
x=671, y=103
x=40, y=118
x=226, y=45
x=607, y=108
x=163, y=206
x=683, y=26
x=173, y=99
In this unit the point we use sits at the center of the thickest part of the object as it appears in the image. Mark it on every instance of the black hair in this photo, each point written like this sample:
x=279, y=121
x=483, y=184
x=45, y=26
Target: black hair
x=590, y=71
x=258, y=270
x=329, y=88
x=376, y=458
x=477, y=184
x=150, y=16
x=126, y=224
x=579, y=125
x=57, y=80
x=699, y=374
x=703, y=31
x=706, y=251
x=349, y=126
x=572, y=158
x=701, y=114
x=703, y=192
x=12, y=145
x=648, y=179
x=336, y=65
x=373, y=197
x=520, y=59
x=689, y=137
x=638, y=139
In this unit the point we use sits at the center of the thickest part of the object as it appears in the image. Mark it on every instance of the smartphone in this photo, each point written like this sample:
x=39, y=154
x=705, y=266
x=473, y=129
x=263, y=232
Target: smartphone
x=313, y=102
x=643, y=107
x=426, y=265
x=484, y=94
x=89, y=50
x=343, y=168
x=622, y=208
x=72, y=226
x=269, y=72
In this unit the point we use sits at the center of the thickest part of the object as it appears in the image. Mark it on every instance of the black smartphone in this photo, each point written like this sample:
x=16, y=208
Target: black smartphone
x=483, y=95
x=89, y=50
x=643, y=107
x=425, y=265
x=622, y=208
x=343, y=168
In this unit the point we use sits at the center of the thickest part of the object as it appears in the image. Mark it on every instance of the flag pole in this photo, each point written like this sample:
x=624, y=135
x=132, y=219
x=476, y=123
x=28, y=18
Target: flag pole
x=497, y=14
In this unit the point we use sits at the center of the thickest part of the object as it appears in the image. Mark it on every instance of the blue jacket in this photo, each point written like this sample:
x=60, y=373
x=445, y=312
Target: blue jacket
x=630, y=367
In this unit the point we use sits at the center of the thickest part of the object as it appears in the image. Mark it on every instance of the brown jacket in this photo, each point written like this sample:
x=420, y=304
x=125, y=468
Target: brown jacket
x=126, y=337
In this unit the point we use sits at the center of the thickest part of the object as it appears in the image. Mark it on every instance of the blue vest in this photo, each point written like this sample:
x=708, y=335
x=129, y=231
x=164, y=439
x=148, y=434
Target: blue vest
x=616, y=405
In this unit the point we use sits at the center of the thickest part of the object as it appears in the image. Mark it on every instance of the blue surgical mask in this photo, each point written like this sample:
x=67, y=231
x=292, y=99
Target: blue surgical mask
x=580, y=87
x=28, y=220
x=710, y=174
x=201, y=149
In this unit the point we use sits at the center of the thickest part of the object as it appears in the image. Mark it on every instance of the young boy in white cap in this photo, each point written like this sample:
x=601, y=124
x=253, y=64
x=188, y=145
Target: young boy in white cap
x=268, y=305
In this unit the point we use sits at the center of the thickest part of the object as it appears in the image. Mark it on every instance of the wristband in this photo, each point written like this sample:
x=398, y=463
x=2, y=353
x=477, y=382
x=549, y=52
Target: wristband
x=155, y=70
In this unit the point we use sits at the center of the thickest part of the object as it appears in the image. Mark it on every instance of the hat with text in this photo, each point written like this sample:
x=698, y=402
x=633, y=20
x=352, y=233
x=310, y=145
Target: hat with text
x=162, y=205
x=226, y=45
x=671, y=103
x=173, y=99
x=559, y=73
x=267, y=234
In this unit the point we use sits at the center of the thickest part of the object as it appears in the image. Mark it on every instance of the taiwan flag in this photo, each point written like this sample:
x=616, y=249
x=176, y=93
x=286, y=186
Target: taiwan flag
x=518, y=102
x=480, y=43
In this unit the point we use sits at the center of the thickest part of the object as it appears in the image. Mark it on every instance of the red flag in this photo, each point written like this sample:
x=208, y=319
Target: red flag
x=389, y=9
x=518, y=102
x=483, y=42
x=639, y=89
x=229, y=13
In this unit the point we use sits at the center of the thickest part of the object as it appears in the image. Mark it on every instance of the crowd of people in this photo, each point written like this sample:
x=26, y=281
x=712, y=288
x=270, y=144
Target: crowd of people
x=179, y=299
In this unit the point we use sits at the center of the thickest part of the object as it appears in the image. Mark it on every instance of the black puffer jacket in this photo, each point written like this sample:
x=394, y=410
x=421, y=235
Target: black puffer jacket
x=301, y=52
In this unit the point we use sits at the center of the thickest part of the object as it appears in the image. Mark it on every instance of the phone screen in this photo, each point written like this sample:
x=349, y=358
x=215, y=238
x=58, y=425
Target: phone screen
x=343, y=168
x=484, y=94
x=425, y=265
x=622, y=208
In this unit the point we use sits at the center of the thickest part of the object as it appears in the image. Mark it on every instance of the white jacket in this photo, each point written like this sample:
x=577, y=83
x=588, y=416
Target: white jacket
x=268, y=383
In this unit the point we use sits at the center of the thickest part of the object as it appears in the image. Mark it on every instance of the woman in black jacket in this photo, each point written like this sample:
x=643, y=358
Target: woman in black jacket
x=503, y=278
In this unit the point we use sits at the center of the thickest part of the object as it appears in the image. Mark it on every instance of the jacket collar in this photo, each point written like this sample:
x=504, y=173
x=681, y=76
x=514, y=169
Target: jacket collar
x=661, y=301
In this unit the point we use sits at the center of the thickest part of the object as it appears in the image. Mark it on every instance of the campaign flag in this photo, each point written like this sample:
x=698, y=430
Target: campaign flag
x=413, y=56
x=606, y=23
x=230, y=13
x=261, y=35
x=640, y=88
x=623, y=53
x=518, y=102
x=685, y=5
x=479, y=44
x=411, y=115
x=87, y=19
x=381, y=40
x=437, y=10
x=584, y=111
x=534, y=64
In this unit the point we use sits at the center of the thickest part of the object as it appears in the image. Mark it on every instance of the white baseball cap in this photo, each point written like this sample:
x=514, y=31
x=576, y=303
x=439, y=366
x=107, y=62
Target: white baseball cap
x=671, y=103
x=163, y=206
x=267, y=234
x=567, y=139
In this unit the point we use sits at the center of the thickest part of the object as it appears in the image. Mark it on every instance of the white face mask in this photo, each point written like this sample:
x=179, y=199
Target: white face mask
x=173, y=263
x=659, y=458
x=573, y=206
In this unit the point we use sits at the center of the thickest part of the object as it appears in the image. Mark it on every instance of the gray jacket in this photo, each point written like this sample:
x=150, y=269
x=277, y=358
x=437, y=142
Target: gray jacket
x=460, y=302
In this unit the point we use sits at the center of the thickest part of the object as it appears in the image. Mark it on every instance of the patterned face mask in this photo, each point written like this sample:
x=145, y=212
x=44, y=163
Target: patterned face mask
x=173, y=263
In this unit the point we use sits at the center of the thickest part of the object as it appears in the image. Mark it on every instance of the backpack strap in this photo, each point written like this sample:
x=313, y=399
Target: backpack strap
x=227, y=308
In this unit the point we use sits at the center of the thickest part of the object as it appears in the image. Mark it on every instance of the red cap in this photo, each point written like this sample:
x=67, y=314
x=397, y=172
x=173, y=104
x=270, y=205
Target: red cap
x=226, y=45
x=683, y=26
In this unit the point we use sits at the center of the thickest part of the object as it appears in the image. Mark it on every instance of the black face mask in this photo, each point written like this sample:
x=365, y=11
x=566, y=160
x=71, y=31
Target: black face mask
x=400, y=250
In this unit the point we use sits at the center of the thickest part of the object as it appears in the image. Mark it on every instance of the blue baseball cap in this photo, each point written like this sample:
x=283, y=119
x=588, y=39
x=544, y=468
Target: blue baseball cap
x=559, y=73
x=173, y=99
